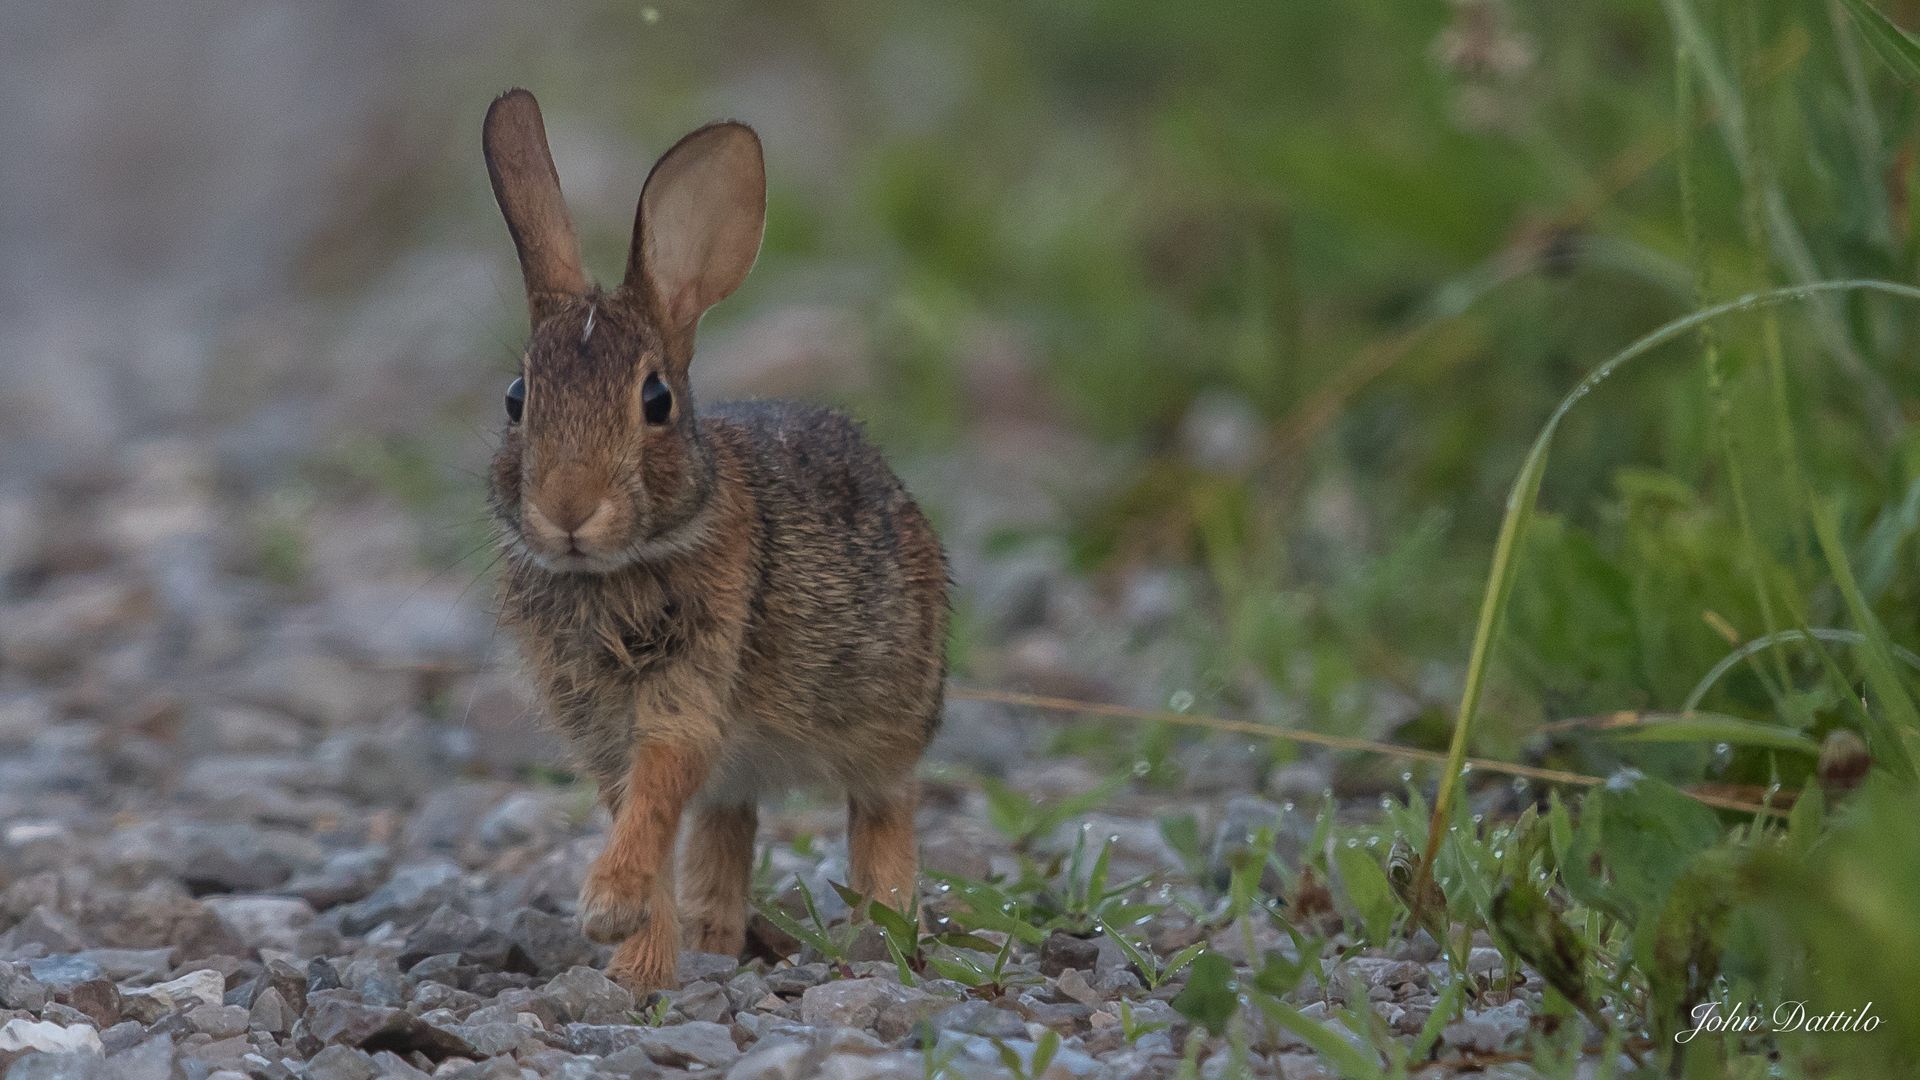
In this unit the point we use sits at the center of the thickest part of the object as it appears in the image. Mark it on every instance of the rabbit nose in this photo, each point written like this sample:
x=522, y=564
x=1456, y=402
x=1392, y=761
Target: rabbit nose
x=569, y=499
x=567, y=515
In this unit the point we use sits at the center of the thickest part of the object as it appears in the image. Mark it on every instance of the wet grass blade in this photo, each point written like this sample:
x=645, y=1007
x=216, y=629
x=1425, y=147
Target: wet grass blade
x=1818, y=634
x=1525, y=494
x=1896, y=720
x=1714, y=728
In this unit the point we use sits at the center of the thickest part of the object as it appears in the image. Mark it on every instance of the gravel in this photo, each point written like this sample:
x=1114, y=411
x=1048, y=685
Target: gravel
x=251, y=827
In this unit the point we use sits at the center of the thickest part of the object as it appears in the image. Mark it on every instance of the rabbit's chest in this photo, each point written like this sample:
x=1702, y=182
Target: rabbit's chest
x=596, y=661
x=631, y=646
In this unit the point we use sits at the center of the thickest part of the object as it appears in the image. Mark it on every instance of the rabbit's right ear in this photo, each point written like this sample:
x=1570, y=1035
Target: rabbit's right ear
x=528, y=190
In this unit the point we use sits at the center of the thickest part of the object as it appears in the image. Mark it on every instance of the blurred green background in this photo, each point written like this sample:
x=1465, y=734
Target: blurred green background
x=1244, y=313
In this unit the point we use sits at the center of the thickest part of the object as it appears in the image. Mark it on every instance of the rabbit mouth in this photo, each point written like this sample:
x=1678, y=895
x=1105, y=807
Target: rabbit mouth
x=568, y=553
x=582, y=562
x=570, y=557
x=584, y=543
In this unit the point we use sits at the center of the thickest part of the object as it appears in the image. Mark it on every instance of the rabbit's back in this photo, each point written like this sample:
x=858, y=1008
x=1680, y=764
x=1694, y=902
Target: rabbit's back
x=847, y=600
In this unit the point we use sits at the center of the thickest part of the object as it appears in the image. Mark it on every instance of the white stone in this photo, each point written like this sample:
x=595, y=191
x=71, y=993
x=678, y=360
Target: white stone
x=26, y=1036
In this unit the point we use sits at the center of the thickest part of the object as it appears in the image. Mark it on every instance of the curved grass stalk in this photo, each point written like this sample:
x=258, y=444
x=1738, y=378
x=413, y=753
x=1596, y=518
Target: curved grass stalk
x=1525, y=494
x=1732, y=660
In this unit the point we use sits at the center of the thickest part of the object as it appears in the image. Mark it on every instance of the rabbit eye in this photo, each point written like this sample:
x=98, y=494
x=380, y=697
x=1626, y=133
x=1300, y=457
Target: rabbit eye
x=516, y=399
x=656, y=401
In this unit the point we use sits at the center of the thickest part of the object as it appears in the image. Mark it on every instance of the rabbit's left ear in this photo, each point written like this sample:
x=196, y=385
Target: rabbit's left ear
x=698, y=228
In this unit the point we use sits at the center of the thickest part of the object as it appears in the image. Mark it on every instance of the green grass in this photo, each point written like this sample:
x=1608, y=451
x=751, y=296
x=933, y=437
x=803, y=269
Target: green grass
x=1749, y=487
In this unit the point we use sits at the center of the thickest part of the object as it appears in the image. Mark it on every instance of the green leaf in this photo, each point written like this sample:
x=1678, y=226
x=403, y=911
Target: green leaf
x=892, y=923
x=989, y=908
x=1649, y=833
x=1128, y=914
x=1043, y=1053
x=794, y=928
x=901, y=965
x=1821, y=634
x=1528, y=927
x=1097, y=879
x=1367, y=890
x=1348, y=1059
x=1280, y=975
x=1182, y=834
x=1898, y=48
x=1134, y=1029
x=1000, y=960
x=813, y=910
x=1445, y=1007
x=1712, y=728
x=1210, y=997
x=1803, y=822
x=1559, y=828
x=1149, y=969
x=1181, y=959
x=1681, y=956
x=848, y=895
x=960, y=970
x=1010, y=1058
x=1008, y=810
x=962, y=940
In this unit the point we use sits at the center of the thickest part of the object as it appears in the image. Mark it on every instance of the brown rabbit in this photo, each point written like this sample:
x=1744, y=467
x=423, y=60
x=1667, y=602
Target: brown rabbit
x=716, y=603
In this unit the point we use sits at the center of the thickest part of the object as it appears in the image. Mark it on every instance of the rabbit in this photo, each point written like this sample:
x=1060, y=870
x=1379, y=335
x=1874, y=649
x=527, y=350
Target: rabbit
x=715, y=603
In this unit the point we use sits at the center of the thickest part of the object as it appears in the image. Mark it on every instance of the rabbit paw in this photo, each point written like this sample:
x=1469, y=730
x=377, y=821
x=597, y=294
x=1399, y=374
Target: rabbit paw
x=722, y=932
x=644, y=963
x=614, y=908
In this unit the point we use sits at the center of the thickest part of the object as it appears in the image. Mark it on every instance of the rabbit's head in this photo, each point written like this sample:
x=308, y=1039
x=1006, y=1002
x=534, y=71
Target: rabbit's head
x=601, y=463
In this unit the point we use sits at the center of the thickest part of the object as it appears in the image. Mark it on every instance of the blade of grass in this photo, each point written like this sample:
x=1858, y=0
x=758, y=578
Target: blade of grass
x=1897, y=718
x=1524, y=495
x=1717, y=390
x=1336, y=1047
x=1769, y=208
x=1861, y=121
x=1898, y=48
x=1713, y=728
x=1761, y=644
x=1309, y=738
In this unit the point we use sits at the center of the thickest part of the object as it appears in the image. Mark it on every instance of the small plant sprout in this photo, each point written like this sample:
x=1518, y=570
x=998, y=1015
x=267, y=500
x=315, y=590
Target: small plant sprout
x=1152, y=971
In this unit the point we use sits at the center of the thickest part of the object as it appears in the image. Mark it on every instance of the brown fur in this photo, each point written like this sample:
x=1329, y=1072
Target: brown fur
x=716, y=606
x=880, y=843
x=717, y=877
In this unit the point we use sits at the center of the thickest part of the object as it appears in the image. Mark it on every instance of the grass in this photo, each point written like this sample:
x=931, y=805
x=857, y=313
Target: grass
x=1635, y=903
x=1520, y=509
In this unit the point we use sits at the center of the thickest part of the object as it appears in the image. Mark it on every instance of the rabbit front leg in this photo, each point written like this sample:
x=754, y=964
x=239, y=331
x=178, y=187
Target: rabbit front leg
x=628, y=895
